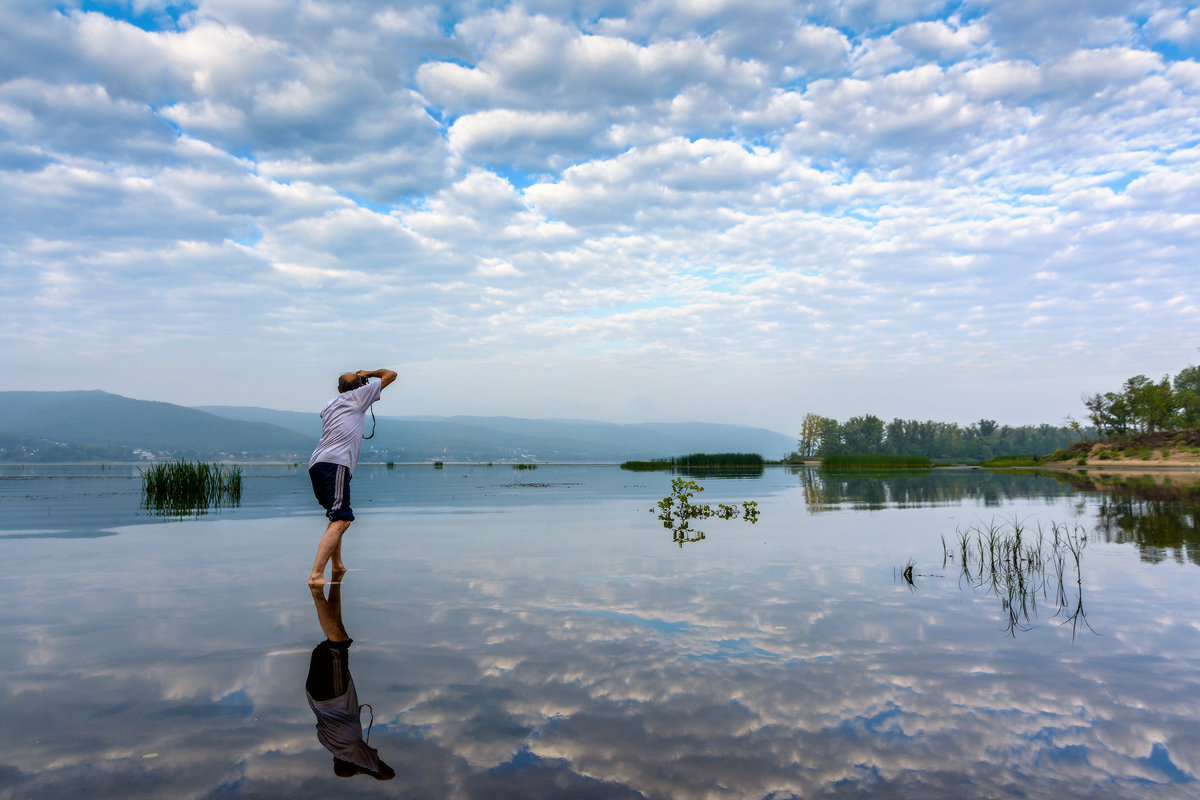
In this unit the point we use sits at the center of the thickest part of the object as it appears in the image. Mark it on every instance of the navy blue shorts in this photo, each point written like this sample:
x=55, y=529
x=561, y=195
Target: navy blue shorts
x=331, y=485
x=329, y=670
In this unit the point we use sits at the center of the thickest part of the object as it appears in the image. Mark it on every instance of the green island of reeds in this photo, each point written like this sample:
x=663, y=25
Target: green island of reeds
x=180, y=488
x=698, y=461
x=1024, y=460
x=875, y=462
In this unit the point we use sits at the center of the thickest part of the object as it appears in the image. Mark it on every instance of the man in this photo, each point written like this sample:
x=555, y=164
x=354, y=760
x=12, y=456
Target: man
x=332, y=463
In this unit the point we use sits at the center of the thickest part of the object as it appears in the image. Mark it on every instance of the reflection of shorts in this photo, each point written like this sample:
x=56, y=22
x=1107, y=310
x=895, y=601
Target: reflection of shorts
x=331, y=485
x=329, y=670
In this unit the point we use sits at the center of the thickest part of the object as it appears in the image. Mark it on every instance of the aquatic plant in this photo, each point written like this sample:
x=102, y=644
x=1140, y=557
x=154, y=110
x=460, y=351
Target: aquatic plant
x=179, y=488
x=699, y=462
x=1024, y=567
x=875, y=462
x=677, y=511
x=1023, y=460
x=524, y=466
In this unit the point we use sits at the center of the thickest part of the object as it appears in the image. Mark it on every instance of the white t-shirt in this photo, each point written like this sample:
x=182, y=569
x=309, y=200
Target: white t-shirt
x=339, y=728
x=342, y=426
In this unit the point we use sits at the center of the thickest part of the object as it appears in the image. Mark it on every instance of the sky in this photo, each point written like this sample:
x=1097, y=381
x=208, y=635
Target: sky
x=664, y=210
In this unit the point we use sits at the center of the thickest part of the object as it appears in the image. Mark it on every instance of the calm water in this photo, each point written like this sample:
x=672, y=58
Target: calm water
x=541, y=634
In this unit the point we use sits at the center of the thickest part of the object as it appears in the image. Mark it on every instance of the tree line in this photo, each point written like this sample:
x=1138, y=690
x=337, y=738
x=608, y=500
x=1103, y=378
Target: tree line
x=869, y=435
x=1145, y=406
x=1141, y=406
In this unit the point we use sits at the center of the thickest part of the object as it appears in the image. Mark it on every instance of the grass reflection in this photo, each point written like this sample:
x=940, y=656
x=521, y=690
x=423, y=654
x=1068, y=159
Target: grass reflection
x=1023, y=568
x=180, y=488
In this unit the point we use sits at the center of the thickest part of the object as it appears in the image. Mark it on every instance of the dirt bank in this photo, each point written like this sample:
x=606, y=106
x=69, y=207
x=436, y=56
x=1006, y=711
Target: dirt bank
x=1157, y=450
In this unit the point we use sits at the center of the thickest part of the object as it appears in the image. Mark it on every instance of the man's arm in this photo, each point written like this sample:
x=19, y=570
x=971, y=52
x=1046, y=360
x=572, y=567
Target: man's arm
x=386, y=376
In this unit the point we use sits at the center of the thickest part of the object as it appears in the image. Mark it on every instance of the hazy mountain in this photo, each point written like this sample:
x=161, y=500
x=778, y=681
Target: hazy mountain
x=466, y=438
x=99, y=418
x=95, y=424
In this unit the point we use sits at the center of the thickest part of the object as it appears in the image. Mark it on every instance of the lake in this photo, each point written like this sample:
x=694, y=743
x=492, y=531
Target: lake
x=540, y=633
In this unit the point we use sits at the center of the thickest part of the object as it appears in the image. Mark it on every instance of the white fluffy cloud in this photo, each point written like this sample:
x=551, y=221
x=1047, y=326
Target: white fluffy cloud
x=818, y=195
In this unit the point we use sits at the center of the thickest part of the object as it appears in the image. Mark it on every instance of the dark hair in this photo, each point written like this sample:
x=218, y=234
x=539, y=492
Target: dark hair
x=345, y=385
x=345, y=769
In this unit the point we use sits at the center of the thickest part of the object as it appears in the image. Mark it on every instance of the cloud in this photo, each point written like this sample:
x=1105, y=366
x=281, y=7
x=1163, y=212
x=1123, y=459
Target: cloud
x=1175, y=24
x=537, y=63
x=528, y=140
x=596, y=188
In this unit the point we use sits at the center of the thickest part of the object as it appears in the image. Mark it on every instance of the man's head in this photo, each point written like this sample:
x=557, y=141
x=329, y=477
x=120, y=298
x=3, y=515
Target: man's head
x=349, y=381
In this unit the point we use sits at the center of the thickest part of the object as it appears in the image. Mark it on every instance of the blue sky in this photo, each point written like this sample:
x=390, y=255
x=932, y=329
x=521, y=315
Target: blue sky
x=687, y=210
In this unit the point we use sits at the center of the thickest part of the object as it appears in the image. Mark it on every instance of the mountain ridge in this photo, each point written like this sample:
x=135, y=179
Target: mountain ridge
x=93, y=424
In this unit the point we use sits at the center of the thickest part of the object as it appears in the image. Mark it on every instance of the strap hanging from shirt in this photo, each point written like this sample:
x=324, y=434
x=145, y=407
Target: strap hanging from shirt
x=371, y=723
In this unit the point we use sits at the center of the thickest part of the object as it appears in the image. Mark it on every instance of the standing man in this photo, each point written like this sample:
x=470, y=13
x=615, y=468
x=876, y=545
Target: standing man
x=332, y=463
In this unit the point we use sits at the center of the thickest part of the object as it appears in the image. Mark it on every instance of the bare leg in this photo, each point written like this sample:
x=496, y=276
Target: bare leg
x=330, y=542
x=339, y=566
x=329, y=612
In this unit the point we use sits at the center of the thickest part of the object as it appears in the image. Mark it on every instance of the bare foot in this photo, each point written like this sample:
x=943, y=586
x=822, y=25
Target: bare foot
x=317, y=580
x=339, y=569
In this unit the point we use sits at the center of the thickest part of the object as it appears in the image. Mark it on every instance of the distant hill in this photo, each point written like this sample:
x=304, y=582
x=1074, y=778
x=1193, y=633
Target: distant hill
x=39, y=424
x=87, y=425
x=466, y=438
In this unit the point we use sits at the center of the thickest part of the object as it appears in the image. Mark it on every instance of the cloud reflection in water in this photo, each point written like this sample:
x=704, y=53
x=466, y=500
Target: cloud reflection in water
x=567, y=650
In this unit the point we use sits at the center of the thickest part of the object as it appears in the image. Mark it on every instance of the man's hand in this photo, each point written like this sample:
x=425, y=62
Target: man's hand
x=386, y=376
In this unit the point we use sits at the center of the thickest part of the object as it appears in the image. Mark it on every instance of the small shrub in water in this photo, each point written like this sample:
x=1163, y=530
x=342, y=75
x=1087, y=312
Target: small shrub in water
x=677, y=510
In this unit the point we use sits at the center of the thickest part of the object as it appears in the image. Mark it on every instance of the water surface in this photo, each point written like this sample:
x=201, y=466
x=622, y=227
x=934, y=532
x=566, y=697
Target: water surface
x=540, y=634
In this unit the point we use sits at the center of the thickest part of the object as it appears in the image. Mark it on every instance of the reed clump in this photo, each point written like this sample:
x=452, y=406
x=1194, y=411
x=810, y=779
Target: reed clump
x=1024, y=460
x=699, y=462
x=1024, y=567
x=179, y=488
x=875, y=462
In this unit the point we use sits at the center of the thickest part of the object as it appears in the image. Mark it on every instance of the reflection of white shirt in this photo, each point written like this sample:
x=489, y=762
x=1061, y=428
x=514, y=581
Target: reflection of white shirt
x=339, y=728
x=342, y=426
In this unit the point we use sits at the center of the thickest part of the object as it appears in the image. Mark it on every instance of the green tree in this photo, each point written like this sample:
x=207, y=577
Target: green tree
x=810, y=434
x=1187, y=397
x=830, y=438
x=1109, y=412
x=1151, y=405
x=863, y=435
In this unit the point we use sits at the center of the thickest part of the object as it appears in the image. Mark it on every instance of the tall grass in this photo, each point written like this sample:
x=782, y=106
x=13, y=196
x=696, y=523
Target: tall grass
x=1013, y=461
x=179, y=488
x=875, y=462
x=654, y=465
x=1024, y=567
x=699, y=461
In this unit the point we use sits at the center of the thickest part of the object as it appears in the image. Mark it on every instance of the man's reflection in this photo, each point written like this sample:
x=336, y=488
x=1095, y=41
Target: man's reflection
x=332, y=697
